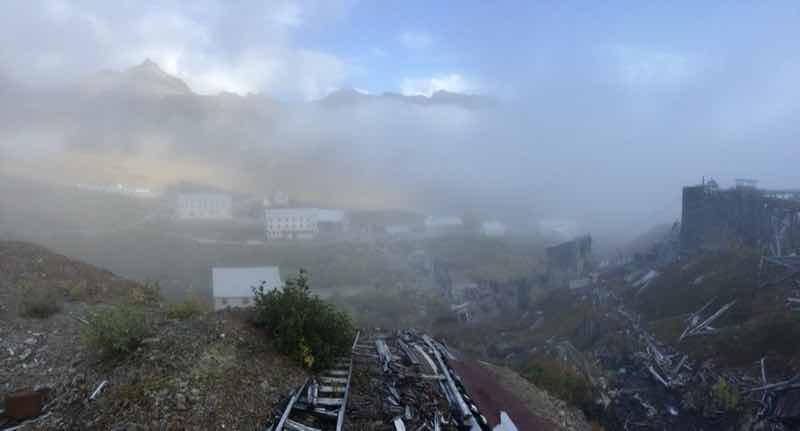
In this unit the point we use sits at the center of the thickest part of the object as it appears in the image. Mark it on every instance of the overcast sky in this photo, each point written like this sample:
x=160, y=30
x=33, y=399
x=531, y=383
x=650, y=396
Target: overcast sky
x=304, y=48
x=635, y=98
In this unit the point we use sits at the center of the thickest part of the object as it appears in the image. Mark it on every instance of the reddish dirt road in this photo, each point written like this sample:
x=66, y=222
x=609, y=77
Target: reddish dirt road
x=491, y=398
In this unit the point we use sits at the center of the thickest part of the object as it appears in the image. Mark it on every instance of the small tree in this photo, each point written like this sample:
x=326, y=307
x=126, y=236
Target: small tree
x=305, y=327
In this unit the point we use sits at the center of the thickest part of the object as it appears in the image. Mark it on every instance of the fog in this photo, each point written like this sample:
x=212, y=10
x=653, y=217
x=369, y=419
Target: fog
x=594, y=116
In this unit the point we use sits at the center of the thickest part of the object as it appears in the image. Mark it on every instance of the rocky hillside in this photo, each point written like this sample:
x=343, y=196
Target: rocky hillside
x=206, y=371
x=193, y=369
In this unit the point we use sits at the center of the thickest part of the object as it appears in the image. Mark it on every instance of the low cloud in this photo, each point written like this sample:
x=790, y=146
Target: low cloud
x=642, y=68
x=453, y=82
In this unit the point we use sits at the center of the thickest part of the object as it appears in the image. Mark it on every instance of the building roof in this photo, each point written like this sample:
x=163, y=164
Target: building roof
x=238, y=282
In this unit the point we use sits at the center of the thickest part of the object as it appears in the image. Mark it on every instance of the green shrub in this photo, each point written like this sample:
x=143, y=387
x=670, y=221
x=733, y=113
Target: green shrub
x=77, y=291
x=39, y=302
x=560, y=381
x=147, y=294
x=305, y=327
x=115, y=331
x=185, y=310
x=725, y=395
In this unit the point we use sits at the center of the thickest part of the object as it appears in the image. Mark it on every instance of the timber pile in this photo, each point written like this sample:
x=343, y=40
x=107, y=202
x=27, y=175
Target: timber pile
x=399, y=383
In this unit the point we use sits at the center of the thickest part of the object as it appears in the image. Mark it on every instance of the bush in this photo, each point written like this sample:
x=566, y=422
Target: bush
x=560, y=381
x=78, y=290
x=115, y=331
x=147, y=294
x=185, y=310
x=725, y=395
x=310, y=330
x=39, y=302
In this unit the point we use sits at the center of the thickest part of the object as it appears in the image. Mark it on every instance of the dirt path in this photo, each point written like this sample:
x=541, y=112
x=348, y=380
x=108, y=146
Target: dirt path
x=491, y=398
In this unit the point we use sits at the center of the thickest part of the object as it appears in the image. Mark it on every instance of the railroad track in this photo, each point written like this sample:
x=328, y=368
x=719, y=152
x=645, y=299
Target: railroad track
x=412, y=386
x=320, y=403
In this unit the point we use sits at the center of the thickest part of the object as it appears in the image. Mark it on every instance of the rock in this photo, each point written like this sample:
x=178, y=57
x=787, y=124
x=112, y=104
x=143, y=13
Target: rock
x=180, y=402
x=30, y=341
x=79, y=379
x=24, y=355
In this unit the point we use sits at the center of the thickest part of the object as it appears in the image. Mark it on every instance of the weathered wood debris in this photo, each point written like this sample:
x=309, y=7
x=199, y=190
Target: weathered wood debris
x=403, y=382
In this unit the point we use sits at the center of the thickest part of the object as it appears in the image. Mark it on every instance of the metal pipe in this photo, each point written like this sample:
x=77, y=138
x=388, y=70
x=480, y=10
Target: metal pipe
x=289, y=407
x=343, y=408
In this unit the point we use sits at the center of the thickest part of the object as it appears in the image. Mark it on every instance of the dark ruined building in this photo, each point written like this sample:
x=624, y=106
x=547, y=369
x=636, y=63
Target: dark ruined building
x=568, y=261
x=743, y=216
x=476, y=300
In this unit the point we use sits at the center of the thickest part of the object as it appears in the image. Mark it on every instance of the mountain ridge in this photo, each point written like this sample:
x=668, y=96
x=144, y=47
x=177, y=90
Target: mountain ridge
x=149, y=79
x=349, y=96
x=146, y=78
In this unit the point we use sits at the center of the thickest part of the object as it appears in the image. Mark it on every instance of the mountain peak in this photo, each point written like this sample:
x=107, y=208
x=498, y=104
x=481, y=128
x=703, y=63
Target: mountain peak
x=345, y=96
x=148, y=65
x=146, y=78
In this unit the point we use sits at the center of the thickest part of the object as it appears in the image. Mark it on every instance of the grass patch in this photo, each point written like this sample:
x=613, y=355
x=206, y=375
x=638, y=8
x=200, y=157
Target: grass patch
x=757, y=325
x=115, y=331
x=683, y=288
x=394, y=308
x=487, y=258
x=185, y=310
x=39, y=302
x=147, y=294
x=725, y=395
x=140, y=392
x=78, y=290
x=214, y=363
x=560, y=381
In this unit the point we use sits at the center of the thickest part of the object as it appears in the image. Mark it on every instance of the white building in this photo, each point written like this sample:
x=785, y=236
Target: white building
x=302, y=223
x=493, y=229
x=204, y=206
x=233, y=287
x=291, y=223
